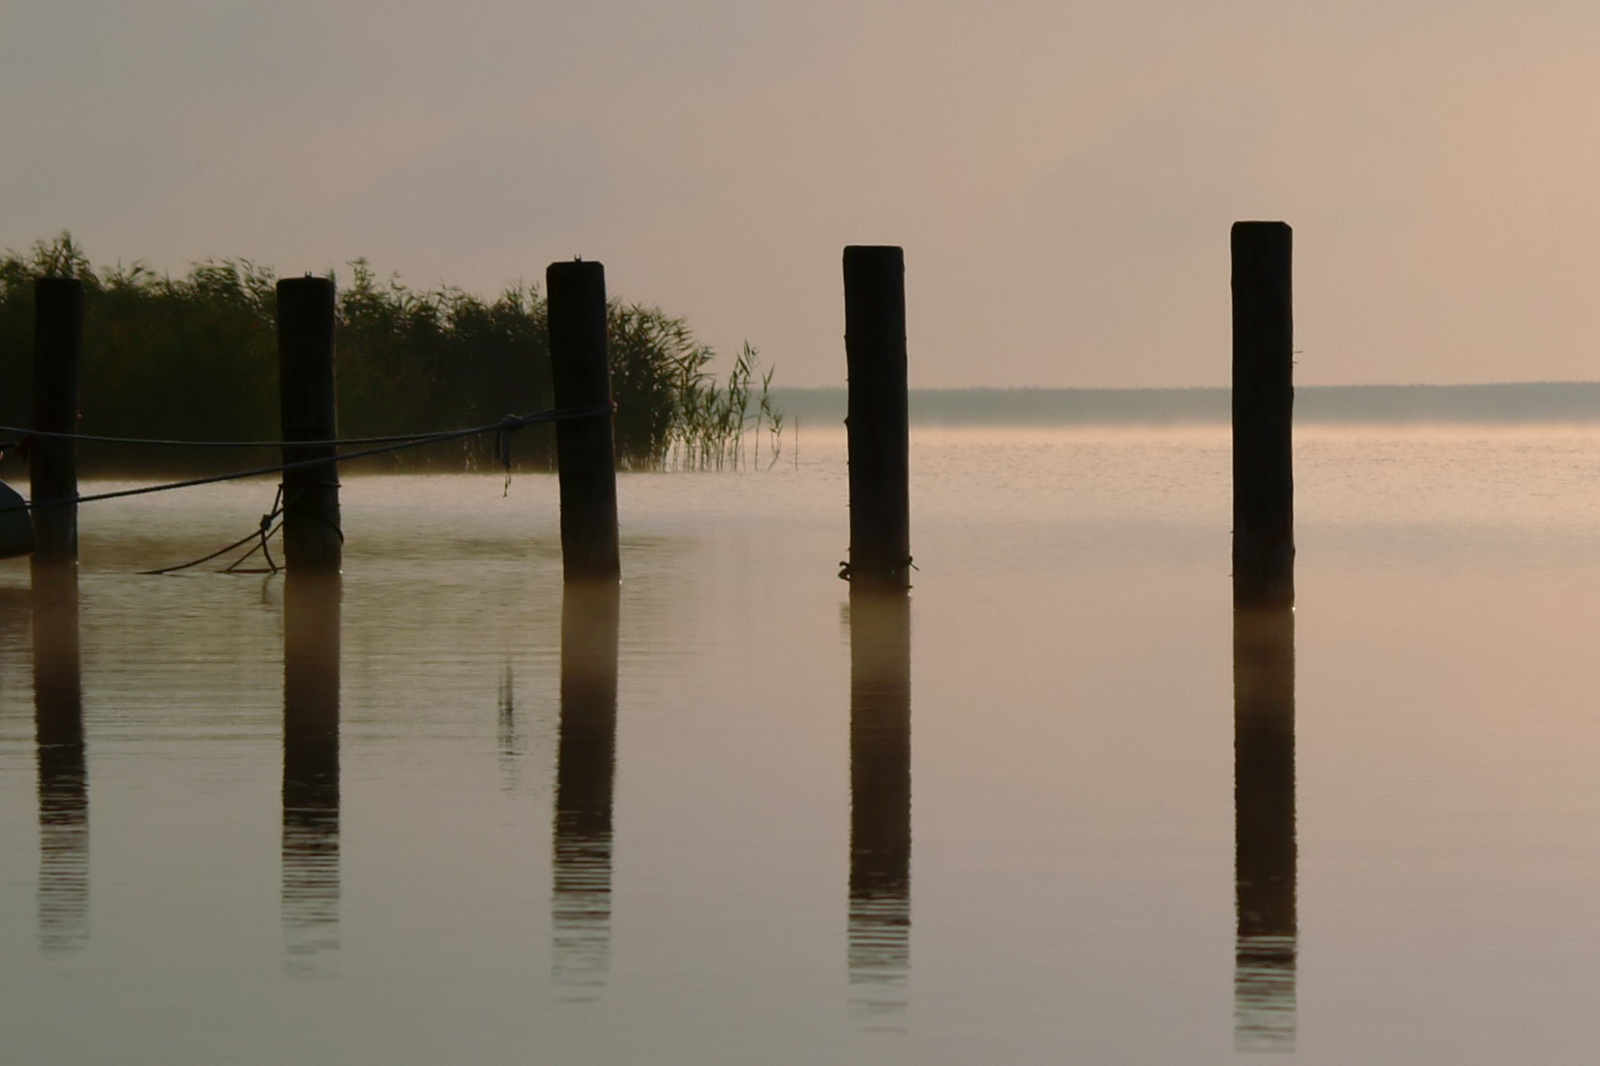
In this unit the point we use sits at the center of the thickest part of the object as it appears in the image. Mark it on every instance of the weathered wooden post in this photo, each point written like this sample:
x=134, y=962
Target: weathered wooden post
x=312, y=538
x=1263, y=406
x=585, y=454
x=879, y=446
x=53, y=464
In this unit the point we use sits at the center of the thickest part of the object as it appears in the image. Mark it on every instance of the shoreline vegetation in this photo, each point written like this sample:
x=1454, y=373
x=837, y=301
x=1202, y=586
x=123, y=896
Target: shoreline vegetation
x=195, y=358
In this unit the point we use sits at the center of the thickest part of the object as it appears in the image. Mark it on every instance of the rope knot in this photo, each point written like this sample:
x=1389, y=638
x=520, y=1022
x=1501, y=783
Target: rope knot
x=502, y=446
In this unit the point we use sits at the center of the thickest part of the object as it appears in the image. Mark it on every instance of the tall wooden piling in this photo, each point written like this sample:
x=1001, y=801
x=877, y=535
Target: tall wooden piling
x=312, y=538
x=879, y=446
x=1263, y=405
x=585, y=454
x=53, y=464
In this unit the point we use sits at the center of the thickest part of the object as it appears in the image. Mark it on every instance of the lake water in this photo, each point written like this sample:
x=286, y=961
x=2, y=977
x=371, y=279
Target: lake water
x=447, y=814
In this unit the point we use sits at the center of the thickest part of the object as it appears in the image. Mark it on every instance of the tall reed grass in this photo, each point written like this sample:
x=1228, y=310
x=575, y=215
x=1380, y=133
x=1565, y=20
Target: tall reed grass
x=194, y=357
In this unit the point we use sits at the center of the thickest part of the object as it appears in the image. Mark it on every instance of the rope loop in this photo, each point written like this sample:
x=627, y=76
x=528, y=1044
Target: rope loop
x=400, y=439
x=382, y=446
x=272, y=521
x=502, y=447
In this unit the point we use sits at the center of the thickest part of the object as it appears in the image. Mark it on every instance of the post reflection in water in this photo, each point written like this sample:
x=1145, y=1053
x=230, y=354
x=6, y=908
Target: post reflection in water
x=879, y=931
x=63, y=774
x=310, y=891
x=580, y=898
x=510, y=744
x=1264, y=829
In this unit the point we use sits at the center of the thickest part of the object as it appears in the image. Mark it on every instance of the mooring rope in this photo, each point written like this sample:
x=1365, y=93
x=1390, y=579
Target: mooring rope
x=510, y=422
x=505, y=426
x=265, y=529
x=266, y=552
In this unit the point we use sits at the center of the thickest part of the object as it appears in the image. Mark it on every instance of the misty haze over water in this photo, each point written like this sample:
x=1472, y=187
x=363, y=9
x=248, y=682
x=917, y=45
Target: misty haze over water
x=1518, y=403
x=1060, y=804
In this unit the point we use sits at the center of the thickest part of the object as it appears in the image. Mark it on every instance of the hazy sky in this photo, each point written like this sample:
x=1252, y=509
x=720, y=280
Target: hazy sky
x=1062, y=175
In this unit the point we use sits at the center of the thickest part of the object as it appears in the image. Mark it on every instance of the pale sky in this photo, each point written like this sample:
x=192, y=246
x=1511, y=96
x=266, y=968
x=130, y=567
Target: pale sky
x=1062, y=175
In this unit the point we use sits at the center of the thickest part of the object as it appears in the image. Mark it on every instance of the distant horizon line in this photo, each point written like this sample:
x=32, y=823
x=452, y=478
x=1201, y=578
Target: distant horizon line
x=1203, y=388
x=1523, y=402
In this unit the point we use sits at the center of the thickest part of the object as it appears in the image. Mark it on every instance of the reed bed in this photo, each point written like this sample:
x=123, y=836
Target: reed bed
x=194, y=357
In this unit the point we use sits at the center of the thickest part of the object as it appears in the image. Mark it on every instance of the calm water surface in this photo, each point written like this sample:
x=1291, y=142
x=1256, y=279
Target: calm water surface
x=447, y=813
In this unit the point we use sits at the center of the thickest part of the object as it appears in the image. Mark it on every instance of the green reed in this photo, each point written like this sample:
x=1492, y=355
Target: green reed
x=195, y=357
x=713, y=421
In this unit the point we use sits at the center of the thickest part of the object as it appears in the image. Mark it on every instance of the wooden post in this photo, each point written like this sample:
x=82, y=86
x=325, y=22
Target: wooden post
x=1263, y=406
x=53, y=464
x=312, y=539
x=879, y=446
x=585, y=454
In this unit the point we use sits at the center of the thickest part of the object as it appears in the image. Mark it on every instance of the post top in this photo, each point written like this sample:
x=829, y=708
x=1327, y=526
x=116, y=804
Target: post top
x=57, y=281
x=575, y=268
x=873, y=251
x=308, y=283
x=1250, y=239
